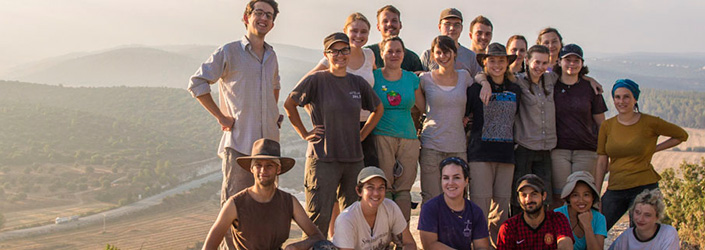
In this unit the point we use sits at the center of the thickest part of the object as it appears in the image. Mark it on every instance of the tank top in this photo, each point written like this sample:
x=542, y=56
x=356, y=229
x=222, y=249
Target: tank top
x=262, y=225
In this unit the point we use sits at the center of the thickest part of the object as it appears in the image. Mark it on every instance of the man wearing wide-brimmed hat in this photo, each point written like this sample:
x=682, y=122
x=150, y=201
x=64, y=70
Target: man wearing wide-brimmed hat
x=260, y=215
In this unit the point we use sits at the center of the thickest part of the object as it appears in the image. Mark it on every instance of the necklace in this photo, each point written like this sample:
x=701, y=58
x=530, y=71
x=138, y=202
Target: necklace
x=459, y=214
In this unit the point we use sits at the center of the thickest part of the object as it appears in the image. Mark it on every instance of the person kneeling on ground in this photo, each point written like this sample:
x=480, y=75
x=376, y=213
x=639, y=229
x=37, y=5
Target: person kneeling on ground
x=260, y=215
x=373, y=222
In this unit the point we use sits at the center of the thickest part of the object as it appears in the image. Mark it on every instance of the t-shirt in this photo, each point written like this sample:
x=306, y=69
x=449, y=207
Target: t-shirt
x=630, y=149
x=262, y=225
x=398, y=97
x=352, y=230
x=665, y=238
x=515, y=233
x=456, y=230
x=599, y=226
x=443, y=128
x=335, y=104
x=365, y=71
x=465, y=59
x=492, y=135
x=411, y=61
x=575, y=105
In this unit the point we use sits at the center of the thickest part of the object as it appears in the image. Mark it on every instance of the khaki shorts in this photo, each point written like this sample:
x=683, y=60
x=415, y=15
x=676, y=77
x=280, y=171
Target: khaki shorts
x=566, y=162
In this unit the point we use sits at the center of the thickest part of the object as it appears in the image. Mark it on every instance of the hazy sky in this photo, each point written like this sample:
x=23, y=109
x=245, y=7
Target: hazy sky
x=36, y=29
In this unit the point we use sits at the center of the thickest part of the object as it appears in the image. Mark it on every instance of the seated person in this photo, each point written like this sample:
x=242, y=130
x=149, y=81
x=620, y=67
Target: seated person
x=450, y=220
x=260, y=215
x=588, y=224
x=373, y=222
x=534, y=227
x=646, y=211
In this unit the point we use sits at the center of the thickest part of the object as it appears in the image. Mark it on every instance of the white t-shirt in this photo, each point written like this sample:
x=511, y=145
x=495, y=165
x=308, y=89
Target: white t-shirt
x=365, y=71
x=666, y=238
x=352, y=231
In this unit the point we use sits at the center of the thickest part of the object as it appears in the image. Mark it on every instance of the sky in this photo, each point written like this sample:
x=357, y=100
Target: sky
x=32, y=30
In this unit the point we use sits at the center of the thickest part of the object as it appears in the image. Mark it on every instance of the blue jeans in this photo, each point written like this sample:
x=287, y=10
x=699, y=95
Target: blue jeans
x=616, y=202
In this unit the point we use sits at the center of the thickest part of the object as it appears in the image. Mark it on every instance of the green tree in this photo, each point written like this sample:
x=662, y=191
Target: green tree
x=685, y=198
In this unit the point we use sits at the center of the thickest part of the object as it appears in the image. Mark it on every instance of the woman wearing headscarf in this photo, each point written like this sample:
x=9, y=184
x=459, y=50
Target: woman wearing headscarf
x=629, y=141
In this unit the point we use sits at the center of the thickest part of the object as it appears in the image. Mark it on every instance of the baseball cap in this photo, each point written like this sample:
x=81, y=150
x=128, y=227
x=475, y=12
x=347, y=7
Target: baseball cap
x=451, y=12
x=334, y=38
x=368, y=173
x=571, y=49
x=530, y=180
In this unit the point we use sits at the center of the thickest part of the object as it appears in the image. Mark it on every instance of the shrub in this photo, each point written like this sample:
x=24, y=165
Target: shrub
x=685, y=198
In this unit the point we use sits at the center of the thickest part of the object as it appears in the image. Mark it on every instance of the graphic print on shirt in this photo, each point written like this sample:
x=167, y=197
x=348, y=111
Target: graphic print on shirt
x=393, y=97
x=499, y=117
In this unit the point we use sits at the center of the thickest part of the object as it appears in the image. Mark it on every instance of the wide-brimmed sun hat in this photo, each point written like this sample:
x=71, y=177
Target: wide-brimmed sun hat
x=266, y=149
x=495, y=49
x=573, y=180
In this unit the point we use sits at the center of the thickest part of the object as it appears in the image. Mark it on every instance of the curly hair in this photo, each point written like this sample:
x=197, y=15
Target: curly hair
x=650, y=197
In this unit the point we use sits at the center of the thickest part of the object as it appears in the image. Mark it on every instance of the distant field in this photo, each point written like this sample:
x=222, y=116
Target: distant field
x=174, y=229
x=673, y=159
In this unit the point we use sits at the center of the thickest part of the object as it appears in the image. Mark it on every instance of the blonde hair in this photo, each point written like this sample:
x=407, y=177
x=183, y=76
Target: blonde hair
x=650, y=197
x=357, y=16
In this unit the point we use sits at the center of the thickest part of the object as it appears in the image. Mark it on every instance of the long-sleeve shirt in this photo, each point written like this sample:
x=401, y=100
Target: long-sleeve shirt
x=246, y=91
x=630, y=149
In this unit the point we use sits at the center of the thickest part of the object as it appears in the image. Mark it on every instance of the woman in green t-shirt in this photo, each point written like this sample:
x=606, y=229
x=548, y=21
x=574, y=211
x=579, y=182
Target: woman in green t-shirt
x=395, y=135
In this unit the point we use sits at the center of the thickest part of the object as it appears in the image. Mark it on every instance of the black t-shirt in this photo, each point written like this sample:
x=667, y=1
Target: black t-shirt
x=575, y=105
x=492, y=135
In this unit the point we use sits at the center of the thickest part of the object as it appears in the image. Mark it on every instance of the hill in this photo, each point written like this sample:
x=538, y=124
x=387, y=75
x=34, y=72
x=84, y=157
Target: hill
x=166, y=66
x=57, y=141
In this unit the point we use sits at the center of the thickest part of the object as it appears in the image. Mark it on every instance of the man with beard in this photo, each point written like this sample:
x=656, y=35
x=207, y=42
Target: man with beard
x=260, y=216
x=535, y=227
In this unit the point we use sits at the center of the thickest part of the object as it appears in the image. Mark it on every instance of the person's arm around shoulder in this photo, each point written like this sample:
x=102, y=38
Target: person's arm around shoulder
x=596, y=86
x=486, y=91
x=420, y=94
x=227, y=215
x=306, y=225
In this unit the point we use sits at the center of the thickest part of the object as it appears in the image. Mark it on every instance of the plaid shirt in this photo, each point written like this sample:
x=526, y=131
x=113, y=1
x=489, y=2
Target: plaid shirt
x=515, y=233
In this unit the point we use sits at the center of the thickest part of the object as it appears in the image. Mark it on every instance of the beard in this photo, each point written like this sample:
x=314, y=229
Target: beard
x=533, y=211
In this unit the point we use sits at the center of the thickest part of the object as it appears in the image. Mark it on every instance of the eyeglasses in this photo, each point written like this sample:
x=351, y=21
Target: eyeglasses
x=259, y=13
x=335, y=52
x=451, y=24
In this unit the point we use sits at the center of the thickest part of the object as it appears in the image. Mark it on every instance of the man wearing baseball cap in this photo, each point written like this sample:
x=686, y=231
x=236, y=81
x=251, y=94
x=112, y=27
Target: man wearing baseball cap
x=374, y=221
x=451, y=25
x=260, y=216
x=535, y=227
x=334, y=155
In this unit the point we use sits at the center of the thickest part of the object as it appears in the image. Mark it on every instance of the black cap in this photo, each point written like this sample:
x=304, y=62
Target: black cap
x=530, y=180
x=571, y=49
x=334, y=38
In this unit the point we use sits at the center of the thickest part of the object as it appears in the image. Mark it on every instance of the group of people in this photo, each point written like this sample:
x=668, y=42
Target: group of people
x=497, y=131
